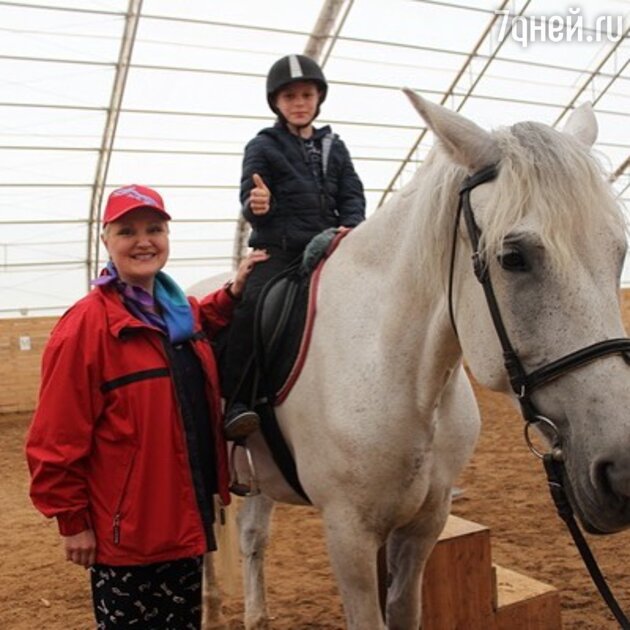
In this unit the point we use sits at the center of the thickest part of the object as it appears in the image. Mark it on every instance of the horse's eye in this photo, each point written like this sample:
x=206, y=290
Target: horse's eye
x=513, y=260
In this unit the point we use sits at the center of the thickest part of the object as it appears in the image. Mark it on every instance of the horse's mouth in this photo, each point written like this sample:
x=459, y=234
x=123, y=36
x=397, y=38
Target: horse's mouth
x=598, y=514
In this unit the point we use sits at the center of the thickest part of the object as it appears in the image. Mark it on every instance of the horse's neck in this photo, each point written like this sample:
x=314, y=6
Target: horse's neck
x=389, y=248
x=382, y=274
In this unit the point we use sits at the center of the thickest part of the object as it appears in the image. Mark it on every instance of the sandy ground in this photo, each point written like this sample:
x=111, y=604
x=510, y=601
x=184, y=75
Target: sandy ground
x=504, y=489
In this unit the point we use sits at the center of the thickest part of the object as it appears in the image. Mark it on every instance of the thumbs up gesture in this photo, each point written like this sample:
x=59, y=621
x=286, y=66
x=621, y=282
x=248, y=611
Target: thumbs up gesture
x=260, y=196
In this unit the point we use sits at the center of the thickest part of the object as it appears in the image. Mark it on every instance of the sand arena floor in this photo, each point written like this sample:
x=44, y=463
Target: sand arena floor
x=504, y=489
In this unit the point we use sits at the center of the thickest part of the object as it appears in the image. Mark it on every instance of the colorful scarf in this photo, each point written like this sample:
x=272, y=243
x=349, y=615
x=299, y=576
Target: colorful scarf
x=167, y=309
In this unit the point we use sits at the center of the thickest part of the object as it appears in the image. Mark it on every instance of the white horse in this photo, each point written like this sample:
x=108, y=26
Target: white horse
x=382, y=418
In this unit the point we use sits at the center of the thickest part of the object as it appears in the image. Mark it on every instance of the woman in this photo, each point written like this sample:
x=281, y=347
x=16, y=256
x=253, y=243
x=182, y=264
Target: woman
x=125, y=448
x=296, y=182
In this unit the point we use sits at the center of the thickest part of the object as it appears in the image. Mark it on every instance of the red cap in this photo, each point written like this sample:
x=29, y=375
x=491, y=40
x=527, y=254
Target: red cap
x=127, y=198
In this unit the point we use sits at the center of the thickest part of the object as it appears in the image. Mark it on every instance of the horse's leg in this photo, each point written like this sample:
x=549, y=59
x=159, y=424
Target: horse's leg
x=212, y=618
x=408, y=549
x=353, y=549
x=253, y=521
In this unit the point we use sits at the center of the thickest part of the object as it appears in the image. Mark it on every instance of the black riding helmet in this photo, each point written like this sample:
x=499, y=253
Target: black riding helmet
x=291, y=69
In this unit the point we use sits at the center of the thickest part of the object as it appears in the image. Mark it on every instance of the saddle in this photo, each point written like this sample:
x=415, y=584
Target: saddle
x=283, y=323
x=279, y=326
x=285, y=314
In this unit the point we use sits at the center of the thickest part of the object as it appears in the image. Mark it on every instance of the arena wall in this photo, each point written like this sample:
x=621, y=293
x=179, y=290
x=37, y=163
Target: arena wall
x=22, y=341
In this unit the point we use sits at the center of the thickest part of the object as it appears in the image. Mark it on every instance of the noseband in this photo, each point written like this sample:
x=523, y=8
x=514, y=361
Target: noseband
x=524, y=384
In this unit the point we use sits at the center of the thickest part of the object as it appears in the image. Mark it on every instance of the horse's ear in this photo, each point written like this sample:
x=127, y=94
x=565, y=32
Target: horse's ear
x=468, y=144
x=582, y=124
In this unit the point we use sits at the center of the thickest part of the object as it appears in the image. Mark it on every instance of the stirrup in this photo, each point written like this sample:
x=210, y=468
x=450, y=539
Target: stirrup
x=237, y=487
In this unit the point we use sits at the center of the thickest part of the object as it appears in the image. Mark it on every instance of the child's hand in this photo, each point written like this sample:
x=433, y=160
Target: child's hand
x=259, y=197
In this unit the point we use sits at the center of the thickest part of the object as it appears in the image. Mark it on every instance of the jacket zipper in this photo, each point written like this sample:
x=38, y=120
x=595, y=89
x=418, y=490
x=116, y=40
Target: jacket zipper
x=327, y=144
x=320, y=185
x=182, y=426
x=117, y=512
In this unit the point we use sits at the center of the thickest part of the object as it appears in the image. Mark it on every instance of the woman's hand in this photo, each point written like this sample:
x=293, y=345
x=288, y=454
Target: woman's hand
x=81, y=548
x=245, y=268
x=259, y=196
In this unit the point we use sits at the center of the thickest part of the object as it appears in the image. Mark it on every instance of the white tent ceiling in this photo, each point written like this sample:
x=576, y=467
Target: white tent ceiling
x=72, y=128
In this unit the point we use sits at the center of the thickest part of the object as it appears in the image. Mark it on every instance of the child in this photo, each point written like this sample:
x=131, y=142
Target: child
x=296, y=182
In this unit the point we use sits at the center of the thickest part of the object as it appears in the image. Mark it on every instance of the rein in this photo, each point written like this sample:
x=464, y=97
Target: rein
x=523, y=383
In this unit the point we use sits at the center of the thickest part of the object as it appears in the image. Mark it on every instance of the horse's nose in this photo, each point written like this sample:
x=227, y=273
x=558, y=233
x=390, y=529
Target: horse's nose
x=611, y=473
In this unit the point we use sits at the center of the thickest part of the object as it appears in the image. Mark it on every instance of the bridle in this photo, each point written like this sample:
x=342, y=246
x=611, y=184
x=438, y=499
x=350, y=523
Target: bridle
x=524, y=384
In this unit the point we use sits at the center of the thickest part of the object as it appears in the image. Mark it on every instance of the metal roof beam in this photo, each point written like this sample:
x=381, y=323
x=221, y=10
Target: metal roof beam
x=356, y=123
x=451, y=89
x=620, y=170
x=109, y=133
x=591, y=76
x=320, y=42
x=46, y=7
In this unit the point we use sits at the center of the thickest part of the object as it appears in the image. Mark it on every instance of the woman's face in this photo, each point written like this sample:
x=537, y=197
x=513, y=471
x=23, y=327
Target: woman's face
x=298, y=102
x=138, y=245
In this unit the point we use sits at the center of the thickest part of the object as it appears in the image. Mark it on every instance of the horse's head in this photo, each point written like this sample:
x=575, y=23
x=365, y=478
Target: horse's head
x=553, y=241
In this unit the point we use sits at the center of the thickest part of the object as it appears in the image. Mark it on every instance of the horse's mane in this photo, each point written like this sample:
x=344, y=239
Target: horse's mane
x=543, y=173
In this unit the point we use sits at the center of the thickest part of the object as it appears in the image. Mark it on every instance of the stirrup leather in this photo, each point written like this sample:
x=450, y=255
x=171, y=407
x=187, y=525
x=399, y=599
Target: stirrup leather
x=237, y=487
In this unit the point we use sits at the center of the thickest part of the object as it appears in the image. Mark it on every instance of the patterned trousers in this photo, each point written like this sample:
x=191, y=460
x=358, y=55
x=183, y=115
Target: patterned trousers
x=162, y=596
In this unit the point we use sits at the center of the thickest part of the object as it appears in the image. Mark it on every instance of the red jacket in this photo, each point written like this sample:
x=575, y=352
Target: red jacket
x=107, y=441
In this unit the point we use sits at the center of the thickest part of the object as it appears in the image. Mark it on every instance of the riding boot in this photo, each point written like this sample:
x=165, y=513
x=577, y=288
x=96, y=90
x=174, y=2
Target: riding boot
x=240, y=421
